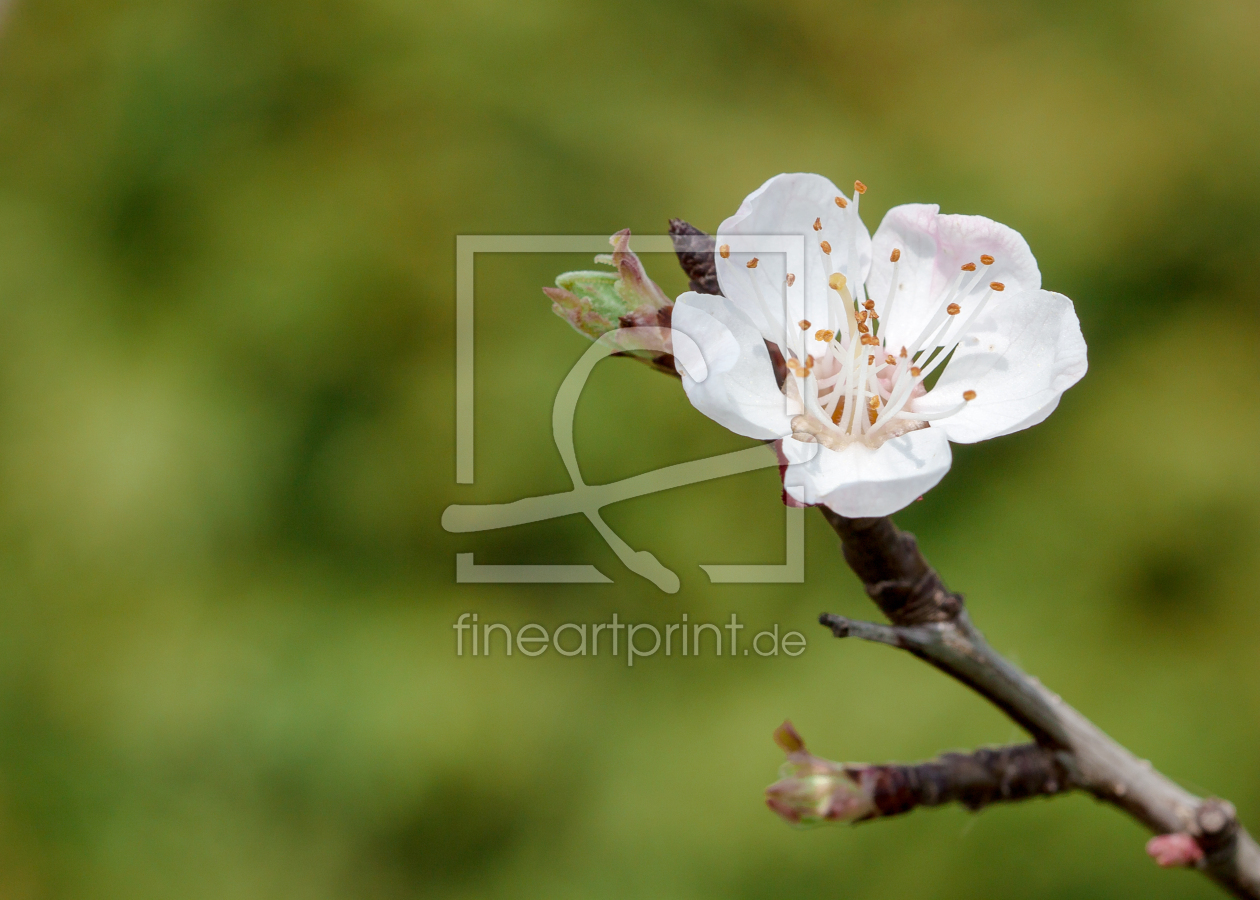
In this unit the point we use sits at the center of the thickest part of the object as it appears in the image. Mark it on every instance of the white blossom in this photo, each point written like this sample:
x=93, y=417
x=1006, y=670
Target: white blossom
x=950, y=301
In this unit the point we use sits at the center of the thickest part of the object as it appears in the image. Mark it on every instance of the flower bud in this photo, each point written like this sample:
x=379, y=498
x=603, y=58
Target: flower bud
x=811, y=790
x=598, y=302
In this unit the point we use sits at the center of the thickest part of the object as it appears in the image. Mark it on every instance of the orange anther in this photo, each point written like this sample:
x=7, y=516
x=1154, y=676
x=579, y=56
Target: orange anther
x=997, y=285
x=859, y=187
x=970, y=267
x=826, y=248
x=725, y=251
x=986, y=259
x=896, y=255
x=841, y=202
x=752, y=263
x=953, y=309
x=969, y=395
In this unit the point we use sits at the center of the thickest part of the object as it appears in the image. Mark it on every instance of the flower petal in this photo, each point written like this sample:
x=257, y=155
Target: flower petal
x=933, y=249
x=739, y=391
x=861, y=481
x=789, y=205
x=1024, y=352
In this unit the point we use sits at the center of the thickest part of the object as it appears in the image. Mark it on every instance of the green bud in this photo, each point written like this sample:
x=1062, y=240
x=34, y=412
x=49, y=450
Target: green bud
x=595, y=303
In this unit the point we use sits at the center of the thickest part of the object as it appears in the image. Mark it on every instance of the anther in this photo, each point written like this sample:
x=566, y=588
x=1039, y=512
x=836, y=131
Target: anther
x=916, y=371
x=752, y=263
x=791, y=279
x=859, y=187
x=969, y=395
x=725, y=250
x=835, y=416
x=890, y=360
x=861, y=315
x=869, y=304
x=986, y=259
x=837, y=282
x=953, y=309
x=904, y=354
x=825, y=335
x=896, y=255
x=826, y=248
x=818, y=224
x=864, y=329
x=868, y=340
x=841, y=202
x=970, y=267
x=870, y=360
x=997, y=285
x=804, y=323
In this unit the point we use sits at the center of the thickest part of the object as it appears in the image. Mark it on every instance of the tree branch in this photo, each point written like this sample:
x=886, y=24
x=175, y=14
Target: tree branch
x=891, y=568
x=929, y=621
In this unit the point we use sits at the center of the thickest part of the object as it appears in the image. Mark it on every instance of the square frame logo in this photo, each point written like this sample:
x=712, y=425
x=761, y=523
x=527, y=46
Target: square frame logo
x=584, y=498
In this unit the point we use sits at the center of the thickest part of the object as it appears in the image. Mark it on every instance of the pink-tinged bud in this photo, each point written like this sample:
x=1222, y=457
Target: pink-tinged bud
x=1171, y=850
x=811, y=789
x=595, y=303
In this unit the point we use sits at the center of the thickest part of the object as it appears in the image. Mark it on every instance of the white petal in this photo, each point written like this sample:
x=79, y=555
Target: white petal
x=739, y=391
x=788, y=205
x=1026, y=350
x=860, y=481
x=933, y=250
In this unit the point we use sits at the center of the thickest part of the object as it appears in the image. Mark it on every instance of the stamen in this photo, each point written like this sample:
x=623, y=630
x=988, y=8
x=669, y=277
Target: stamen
x=916, y=371
x=859, y=187
x=837, y=282
x=804, y=323
x=869, y=340
x=986, y=259
x=869, y=304
x=953, y=309
x=890, y=360
x=725, y=251
x=835, y=416
x=970, y=267
x=818, y=224
x=791, y=279
x=969, y=395
x=826, y=247
x=841, y=202
x=896, y=255
x=825, y=335
x=752, y=263
x=903, y=353
x=997, y=285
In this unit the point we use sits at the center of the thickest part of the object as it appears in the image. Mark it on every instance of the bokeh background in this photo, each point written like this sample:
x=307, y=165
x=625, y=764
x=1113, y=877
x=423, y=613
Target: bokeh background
x=227, y=265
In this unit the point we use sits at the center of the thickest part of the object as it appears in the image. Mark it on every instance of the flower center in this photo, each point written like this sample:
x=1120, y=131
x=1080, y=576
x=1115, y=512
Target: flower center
x=852, y=386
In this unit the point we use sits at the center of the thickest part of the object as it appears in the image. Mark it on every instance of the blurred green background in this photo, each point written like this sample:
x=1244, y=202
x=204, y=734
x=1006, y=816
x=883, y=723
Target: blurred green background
x=227, y=260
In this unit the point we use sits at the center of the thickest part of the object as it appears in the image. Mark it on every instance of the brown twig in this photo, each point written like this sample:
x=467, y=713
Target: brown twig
x=889, y=563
